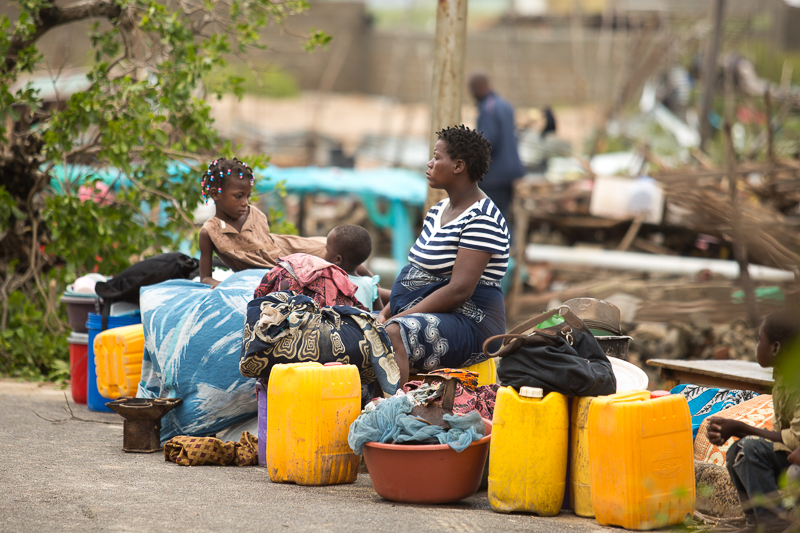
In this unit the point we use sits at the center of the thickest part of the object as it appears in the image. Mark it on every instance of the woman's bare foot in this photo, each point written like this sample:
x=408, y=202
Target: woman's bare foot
x=400, y=355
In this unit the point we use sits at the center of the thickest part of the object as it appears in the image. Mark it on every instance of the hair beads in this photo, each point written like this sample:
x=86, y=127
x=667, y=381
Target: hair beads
x=210, y=181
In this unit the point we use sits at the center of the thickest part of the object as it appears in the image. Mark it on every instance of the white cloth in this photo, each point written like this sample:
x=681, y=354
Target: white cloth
x=367, y=291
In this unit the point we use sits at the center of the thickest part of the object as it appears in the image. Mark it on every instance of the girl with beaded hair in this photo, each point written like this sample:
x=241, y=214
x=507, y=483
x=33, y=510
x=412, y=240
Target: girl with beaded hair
x=239, y=232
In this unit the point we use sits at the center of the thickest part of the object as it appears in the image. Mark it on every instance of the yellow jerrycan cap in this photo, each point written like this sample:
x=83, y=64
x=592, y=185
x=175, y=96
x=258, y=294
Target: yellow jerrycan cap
x=531, y=392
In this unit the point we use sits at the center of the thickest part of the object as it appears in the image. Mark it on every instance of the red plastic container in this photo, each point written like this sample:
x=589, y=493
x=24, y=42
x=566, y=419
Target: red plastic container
x=78, y=353
x=449, y=476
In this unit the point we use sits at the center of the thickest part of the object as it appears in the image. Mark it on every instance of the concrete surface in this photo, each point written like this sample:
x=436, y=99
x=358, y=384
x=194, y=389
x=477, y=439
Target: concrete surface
x=74, y=476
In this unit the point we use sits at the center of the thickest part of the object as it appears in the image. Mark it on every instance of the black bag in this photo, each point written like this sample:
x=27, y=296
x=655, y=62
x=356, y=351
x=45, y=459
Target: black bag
x=124, y=287
x=564, y=358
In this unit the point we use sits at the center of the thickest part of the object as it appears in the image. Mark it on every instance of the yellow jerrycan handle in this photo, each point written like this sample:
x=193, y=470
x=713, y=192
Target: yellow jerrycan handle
x=629, y=396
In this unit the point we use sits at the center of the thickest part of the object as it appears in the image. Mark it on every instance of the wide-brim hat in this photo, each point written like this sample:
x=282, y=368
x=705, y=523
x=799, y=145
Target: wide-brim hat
x=596, y=314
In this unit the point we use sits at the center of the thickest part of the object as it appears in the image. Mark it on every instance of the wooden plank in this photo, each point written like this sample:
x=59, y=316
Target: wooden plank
x=731, y=374
x=673, y=378
x=576, y=221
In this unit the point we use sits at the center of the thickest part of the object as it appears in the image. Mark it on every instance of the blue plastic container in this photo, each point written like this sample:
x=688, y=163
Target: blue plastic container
x=94, y=401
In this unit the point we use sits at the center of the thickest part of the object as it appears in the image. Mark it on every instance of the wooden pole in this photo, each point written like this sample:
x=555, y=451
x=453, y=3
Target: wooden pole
x=448, y=73
x=738, y=237
x=739, y=242
x=709, y=72
x=521, y=222
x=630, y=235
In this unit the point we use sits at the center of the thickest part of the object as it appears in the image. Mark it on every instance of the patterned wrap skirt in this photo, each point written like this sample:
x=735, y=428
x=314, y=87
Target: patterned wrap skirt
x=450, y=340
x=286, y=327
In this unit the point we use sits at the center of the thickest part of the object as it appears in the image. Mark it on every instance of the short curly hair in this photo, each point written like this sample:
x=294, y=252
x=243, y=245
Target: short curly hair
x=353, y=243
x=782, y=325
x=470, y=146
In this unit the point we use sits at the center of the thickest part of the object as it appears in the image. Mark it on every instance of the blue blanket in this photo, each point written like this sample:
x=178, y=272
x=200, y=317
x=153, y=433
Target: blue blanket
x=705, y=401
x=193, y=338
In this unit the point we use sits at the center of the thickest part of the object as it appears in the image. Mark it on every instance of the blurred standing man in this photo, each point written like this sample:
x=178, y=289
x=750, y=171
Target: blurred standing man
x=496, y=122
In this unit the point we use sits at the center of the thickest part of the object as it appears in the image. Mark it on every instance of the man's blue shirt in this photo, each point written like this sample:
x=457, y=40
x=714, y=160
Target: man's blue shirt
x=496, y=121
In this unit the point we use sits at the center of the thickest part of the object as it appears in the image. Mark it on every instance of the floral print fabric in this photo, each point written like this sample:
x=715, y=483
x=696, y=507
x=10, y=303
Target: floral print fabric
x=454, y=340
x=285, y=327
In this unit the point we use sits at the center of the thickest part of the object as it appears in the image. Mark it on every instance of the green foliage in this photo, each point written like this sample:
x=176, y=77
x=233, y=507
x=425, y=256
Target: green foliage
x=87, y=235
x=9, y=212
x=279, y=224
x=316, y=38
x=27, y=349
x=142, y=114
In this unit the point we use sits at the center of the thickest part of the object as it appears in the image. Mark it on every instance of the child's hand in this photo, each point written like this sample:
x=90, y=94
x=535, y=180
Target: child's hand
x=794, y=457
x=210, y=281
x=385, y=314
x=721, y=429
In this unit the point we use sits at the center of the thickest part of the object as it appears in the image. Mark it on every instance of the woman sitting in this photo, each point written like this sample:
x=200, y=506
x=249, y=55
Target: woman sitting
x=448, y=301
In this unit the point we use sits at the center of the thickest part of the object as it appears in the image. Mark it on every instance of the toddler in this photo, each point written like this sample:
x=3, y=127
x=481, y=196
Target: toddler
x=347, y=247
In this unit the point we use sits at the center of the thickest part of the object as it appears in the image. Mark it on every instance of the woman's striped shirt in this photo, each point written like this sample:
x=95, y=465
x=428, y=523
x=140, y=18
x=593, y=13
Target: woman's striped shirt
x=480, y=227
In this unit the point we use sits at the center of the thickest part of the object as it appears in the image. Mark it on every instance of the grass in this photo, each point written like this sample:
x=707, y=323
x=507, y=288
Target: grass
x=272, y=82
x=769, y=61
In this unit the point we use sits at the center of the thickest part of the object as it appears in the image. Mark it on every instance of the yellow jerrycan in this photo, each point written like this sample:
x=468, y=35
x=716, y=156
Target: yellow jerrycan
x=118, y=354
x=528, y=454
x=309, y=411
x=641, y=457
x=487, y=372
x=580, y=473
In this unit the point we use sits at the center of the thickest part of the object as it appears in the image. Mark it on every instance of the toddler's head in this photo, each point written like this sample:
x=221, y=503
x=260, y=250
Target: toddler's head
x=221, y=173
x=348, y=246
x=778, y=328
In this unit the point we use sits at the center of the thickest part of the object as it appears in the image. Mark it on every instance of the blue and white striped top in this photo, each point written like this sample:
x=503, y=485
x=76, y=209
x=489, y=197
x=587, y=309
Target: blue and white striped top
x=481, y=227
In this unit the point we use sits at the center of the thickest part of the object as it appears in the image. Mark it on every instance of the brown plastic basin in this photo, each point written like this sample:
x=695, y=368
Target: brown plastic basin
x=426, y=473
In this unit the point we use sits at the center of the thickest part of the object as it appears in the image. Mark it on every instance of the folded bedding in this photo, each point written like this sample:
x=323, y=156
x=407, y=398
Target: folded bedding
x=193, y=339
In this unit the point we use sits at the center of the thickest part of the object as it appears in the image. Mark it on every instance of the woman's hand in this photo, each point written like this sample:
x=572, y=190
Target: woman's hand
x=467, y=272
x=721, y=429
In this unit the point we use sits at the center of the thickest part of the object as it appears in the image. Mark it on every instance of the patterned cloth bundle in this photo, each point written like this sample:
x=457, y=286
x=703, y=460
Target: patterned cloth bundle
x=285, y=327
x=196, y=451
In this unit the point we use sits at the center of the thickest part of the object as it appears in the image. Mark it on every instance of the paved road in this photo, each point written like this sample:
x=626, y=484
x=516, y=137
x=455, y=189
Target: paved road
x=74, y=476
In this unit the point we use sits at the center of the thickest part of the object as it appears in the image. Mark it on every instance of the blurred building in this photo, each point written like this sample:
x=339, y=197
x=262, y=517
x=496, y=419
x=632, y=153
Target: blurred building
x=541, y=52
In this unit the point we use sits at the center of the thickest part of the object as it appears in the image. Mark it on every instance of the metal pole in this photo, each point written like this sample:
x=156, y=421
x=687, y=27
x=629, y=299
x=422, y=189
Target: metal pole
x=448, y=73
x=709, y=72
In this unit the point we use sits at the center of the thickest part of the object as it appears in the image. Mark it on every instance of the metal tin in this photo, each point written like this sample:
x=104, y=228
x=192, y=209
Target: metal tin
x=615, y=346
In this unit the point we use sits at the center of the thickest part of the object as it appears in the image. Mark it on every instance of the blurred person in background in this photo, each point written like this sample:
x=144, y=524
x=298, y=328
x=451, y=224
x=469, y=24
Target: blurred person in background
x=496, y=122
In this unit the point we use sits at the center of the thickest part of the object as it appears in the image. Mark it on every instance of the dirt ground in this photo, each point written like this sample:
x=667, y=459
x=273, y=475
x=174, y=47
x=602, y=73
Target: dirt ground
x=64, y=474
x=349, y=117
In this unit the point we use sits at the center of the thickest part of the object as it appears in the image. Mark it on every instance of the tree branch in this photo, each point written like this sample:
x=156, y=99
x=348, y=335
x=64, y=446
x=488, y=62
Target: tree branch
x=54, y=16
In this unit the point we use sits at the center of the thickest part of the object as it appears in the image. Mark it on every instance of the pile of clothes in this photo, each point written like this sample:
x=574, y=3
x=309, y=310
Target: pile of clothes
x=391, y=420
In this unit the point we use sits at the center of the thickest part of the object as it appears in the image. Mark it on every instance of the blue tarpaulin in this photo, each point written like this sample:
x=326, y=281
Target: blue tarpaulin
x=402, y=190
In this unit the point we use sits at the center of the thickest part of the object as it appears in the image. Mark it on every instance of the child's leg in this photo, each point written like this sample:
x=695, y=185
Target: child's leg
x=730, y=457
x=754, y=469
